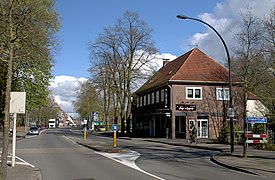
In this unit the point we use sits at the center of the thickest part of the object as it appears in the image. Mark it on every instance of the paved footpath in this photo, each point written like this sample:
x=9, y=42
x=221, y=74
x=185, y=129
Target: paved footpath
x=257, y=162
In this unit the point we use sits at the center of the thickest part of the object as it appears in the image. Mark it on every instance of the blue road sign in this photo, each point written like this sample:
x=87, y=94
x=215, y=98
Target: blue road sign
x=95, y=116
x=114, y=127
x=256, y=120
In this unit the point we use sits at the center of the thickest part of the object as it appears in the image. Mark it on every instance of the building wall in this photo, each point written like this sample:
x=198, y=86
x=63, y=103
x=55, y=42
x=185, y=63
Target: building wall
x=208, y=107
x=155, y=118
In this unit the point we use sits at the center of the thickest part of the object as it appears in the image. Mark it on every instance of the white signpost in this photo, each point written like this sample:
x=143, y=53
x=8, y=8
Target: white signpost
x=17, y=106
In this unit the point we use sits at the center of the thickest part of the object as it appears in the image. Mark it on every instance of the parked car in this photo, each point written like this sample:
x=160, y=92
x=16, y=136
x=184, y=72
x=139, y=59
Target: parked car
x=34, y=131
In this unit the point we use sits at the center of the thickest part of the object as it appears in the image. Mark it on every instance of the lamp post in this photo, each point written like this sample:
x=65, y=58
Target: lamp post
x=230, y=110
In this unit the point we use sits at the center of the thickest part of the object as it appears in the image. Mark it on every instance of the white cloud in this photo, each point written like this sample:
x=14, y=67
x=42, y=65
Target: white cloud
x=226, y=19
x=63, y=89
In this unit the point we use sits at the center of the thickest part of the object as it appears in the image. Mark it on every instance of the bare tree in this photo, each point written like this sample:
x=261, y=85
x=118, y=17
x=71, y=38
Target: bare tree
x=250, y=62
x=87, y=100
x=124, y=50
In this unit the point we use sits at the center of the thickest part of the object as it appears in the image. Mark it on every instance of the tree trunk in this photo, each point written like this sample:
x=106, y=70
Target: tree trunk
x=7, y=104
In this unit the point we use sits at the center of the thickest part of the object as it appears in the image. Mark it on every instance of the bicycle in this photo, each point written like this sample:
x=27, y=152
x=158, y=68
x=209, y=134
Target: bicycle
x=192, y=139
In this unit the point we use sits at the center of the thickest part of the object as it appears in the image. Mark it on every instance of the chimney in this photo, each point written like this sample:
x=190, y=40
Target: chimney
x=165, y=61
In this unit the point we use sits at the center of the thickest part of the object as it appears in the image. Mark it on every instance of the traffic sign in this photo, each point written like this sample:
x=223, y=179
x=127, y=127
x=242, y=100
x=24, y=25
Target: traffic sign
x=95, y=116
x=256, y=120
x=114, y=127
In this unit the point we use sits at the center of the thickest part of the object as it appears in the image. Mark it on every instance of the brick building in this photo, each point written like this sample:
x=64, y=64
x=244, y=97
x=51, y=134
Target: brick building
x=192, y=89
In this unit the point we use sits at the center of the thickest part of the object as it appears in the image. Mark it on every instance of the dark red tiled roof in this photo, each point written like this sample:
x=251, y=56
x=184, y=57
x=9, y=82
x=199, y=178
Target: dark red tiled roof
x=193, y=66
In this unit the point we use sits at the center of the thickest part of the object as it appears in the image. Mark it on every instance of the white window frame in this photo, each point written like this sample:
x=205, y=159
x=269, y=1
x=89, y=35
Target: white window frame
x=137, y=101
x=141, y=101
x=193, y=94
x=153, y=97
x=222, y=93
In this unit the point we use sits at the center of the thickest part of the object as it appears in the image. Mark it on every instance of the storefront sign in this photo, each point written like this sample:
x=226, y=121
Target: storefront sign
x=185, y=107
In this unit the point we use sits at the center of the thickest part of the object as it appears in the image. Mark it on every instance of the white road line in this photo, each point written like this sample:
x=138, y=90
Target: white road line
x=21, y=161
x=127, y=159
x=24, y=162
x=70, y=140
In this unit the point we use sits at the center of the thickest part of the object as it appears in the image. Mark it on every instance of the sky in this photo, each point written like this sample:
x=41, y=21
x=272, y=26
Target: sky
x=83, y=20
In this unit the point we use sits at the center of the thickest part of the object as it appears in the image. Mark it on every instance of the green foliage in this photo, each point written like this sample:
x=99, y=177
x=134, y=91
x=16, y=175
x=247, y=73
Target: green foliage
x=34, y=26
x=265, y=146
x=224, y=137
x=87, y=100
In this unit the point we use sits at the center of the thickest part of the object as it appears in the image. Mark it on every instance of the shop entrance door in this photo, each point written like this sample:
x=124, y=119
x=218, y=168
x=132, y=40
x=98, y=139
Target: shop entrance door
x=203, y=128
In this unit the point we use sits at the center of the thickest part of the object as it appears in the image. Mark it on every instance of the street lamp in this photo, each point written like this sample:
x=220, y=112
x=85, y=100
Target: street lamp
x=230, y=110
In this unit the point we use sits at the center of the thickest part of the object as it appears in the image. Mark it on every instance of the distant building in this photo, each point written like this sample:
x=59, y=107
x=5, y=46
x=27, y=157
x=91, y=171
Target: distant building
x=192, y=89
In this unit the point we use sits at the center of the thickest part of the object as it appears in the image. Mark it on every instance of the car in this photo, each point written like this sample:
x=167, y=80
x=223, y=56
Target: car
x=34, y=131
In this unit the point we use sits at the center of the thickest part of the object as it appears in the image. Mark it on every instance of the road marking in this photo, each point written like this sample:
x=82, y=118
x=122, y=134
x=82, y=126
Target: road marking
x=127, y=159
x=71, y=140
x=19, y=160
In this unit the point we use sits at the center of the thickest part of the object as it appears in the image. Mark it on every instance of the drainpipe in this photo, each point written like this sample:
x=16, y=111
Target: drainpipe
x=173, y=121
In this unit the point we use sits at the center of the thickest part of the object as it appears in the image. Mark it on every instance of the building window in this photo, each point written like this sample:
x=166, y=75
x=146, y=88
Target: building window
x=140, y=101
x=148, y=99
x=191, y=124
x=153, y=97
x=222, y=93
x=157, y=96
x=194, y=93
x=144, y=100
x=162, y=95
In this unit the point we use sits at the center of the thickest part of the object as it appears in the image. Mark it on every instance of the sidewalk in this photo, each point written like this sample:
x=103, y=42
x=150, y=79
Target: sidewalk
x=20, y=171
x=258, y=162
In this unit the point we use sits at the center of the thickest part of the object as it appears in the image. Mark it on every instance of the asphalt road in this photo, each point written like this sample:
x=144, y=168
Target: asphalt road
x=58, y=157
x=61, y=159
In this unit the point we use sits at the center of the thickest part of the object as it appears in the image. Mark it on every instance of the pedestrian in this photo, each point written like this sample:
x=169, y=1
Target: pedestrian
x=193, y=134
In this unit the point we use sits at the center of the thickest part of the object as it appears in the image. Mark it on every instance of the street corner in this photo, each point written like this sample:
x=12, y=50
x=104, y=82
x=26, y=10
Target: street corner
x=234, y=162
x=100, y=147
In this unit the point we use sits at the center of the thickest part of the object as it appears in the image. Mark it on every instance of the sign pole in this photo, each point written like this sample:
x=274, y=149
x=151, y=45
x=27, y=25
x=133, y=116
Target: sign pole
x=114, y=129
x=85, y=130
x=17, y=105
x=114, y=139
x=84, y=136
x=13, y=140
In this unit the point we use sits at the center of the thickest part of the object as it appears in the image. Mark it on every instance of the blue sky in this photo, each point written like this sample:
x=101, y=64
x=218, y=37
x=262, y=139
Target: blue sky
x=83, y=20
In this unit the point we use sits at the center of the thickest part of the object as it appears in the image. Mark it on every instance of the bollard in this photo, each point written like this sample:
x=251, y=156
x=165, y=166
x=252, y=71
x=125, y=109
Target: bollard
x=114, y=139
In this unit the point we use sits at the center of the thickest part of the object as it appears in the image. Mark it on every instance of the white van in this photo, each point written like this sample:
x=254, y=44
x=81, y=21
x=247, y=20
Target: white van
x=52, y=123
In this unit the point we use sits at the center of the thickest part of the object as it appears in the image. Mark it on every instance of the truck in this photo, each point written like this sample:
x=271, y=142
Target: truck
x=53, y=123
